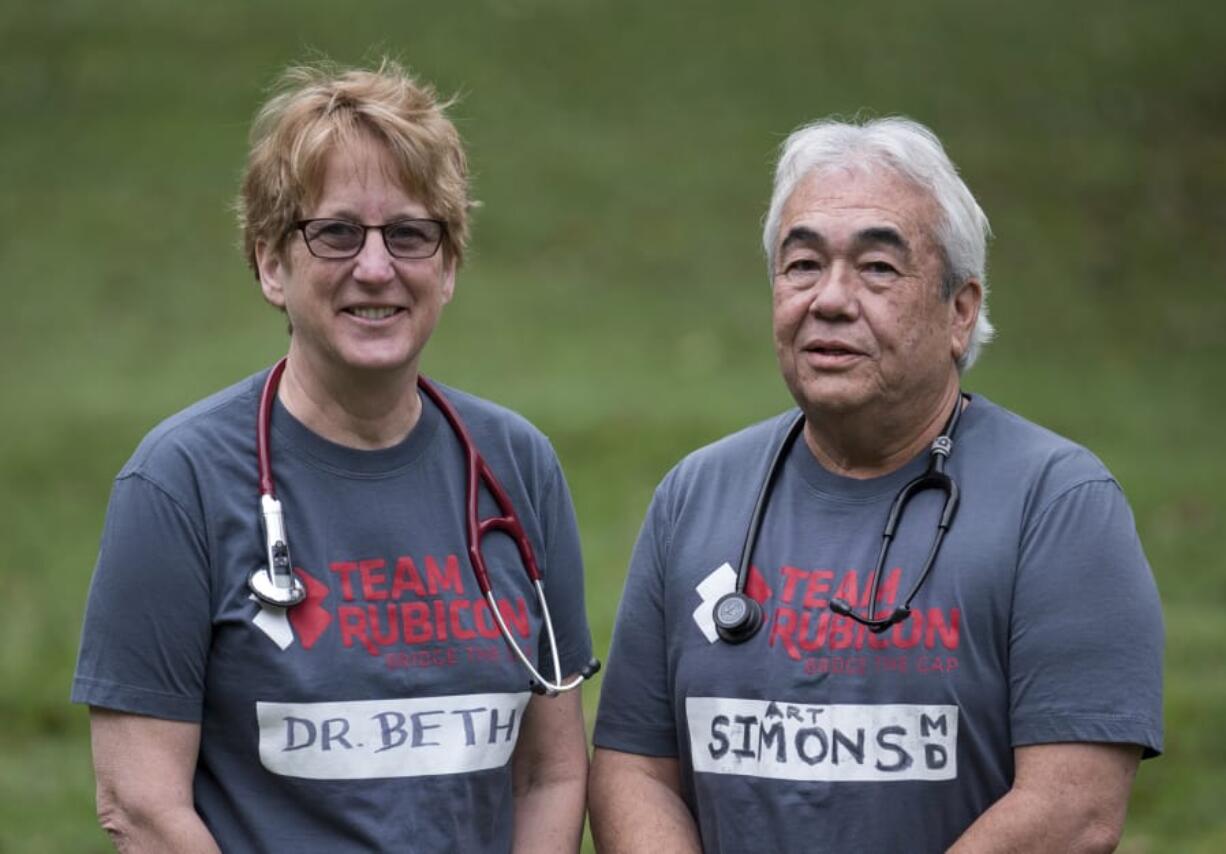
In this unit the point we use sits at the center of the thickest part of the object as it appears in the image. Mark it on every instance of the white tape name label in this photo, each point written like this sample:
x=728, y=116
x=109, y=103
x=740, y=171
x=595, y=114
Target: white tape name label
x=838, y=743
x=365, y=739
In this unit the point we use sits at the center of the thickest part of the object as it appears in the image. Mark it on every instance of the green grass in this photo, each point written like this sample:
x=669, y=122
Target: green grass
x=616, y=293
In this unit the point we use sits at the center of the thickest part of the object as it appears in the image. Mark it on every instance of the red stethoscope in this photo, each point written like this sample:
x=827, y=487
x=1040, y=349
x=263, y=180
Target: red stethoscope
x=276, y=584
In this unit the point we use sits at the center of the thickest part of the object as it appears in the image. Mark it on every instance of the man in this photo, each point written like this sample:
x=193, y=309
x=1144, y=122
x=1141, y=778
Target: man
x=1006, y=706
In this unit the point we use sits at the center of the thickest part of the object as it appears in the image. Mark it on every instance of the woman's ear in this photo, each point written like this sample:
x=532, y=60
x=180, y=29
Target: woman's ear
x=449, y=270
x=271, y=269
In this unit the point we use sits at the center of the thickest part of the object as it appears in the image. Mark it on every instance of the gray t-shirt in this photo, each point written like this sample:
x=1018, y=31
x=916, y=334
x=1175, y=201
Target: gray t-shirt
x=381, y=713
x=1039, y=623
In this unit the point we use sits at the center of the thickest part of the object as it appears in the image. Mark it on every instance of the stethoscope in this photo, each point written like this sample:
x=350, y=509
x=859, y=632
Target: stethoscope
x=739, y=616
x=276, y=584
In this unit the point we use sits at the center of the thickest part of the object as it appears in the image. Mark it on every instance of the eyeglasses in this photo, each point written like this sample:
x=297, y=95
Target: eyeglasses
x=337, y=239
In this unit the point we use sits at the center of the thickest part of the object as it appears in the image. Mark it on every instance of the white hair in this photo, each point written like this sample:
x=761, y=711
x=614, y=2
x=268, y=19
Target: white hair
x=915, y=153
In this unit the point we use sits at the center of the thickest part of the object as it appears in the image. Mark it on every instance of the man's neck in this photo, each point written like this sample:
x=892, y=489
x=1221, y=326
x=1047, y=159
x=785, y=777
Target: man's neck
x=869, y=443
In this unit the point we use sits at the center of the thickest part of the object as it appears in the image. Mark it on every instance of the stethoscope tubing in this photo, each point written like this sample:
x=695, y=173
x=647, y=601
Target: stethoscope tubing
x=738, y=617
x=759, y=509
x=478, y=472
x=934, y=477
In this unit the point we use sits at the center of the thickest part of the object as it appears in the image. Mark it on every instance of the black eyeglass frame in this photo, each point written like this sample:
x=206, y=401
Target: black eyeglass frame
x=301, y=226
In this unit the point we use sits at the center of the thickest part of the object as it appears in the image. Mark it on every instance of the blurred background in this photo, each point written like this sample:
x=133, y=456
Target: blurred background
x=616, y=294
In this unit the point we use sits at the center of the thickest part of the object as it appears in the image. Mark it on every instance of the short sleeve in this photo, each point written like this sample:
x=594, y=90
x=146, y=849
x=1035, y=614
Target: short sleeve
x=636, y=708
x=145, y=641
x=563, y=580
x=1086, y=637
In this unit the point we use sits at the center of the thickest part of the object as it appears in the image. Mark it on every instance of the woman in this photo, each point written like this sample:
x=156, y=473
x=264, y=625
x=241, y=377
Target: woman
x=380, y=709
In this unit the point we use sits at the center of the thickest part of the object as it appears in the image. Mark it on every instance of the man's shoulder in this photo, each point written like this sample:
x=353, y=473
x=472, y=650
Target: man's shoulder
x=1016, y=449
x=732, y=458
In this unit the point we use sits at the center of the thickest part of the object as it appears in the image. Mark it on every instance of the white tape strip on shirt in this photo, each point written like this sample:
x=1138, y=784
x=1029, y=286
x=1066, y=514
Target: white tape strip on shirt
x=836, y=743
x=711, y=588
x=364, y=739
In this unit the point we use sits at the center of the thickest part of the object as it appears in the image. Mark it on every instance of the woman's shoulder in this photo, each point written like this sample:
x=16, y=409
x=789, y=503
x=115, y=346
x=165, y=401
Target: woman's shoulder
x=512, y=445
x=482, y=416
x=222, y=423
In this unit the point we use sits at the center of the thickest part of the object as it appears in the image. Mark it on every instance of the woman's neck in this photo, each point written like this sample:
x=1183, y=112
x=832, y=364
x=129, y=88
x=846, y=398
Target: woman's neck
x=374, y=411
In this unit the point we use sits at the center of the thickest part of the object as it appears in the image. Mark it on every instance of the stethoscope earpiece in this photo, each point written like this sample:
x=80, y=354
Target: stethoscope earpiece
x=589, y=670
x=737, y=617
x=843, y=608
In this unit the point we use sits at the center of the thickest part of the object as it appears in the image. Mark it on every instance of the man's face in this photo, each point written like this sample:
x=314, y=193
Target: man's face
x=858, y=316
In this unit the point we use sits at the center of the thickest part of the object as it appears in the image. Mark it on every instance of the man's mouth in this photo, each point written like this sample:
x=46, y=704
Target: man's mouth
x=832, y=348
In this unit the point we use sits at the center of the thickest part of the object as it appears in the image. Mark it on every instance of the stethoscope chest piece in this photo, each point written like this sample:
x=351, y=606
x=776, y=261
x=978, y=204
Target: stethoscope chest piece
x=737, y=617
x=268, y=592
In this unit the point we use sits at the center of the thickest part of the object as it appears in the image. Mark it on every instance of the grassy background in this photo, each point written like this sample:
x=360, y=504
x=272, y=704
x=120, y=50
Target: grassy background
x=616, y=295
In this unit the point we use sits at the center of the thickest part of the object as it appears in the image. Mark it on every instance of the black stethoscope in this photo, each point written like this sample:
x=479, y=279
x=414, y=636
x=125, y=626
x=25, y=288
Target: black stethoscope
x=276, y=584
x=739, y=616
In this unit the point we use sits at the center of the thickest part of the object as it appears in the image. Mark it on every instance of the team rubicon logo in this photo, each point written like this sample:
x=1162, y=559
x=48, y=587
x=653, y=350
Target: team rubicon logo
x=799, y=621
x=391, y=607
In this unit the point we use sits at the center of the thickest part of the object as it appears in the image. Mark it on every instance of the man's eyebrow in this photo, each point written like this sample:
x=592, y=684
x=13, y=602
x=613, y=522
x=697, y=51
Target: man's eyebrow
x=881, y=235
x=802, y=234
x=878, y=235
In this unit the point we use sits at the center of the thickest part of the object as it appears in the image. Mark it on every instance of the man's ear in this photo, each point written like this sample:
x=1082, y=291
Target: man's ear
x=964, y=311
x=271, y=269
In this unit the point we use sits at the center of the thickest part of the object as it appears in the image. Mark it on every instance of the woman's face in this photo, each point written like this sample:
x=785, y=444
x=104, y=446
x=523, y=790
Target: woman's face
x=369, y=313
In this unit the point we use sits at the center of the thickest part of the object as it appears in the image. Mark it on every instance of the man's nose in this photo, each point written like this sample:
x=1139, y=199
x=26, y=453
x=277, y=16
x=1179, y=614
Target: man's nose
x=836, y=293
